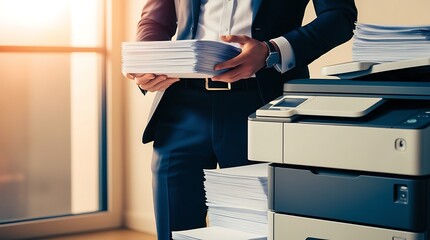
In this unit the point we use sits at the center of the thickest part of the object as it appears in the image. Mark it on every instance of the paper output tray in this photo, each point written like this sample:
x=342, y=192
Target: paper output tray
x=413, y=69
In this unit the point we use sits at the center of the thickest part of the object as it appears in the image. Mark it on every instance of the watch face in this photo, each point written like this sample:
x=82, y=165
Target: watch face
x=272, y=59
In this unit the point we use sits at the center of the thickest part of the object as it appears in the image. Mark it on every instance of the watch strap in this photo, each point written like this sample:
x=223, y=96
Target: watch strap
x=270, y=46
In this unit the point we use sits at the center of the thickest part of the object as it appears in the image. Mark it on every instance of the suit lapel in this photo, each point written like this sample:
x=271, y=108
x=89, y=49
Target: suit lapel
x=256, y=4
x=195, y=15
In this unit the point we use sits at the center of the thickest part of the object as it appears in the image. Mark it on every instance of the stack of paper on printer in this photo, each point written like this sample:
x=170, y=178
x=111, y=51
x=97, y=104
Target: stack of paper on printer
x=237, y=200
x=377, y=43
x=182, y=58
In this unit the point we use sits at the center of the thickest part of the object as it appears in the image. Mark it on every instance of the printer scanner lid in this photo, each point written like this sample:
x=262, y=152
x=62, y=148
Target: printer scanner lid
x=365, y=88
x=405, y=79
x=332, y=106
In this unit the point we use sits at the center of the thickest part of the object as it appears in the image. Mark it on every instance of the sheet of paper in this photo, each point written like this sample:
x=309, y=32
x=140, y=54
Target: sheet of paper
x=215, y=233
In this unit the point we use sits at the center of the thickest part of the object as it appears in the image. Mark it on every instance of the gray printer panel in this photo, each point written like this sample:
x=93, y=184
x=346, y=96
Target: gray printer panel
x=384, y=201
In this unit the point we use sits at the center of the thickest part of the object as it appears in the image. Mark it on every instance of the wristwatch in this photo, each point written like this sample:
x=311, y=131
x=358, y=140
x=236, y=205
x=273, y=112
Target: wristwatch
x=274, y=57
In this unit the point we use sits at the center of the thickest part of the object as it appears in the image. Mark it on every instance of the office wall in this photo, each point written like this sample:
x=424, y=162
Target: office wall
x=139, y=213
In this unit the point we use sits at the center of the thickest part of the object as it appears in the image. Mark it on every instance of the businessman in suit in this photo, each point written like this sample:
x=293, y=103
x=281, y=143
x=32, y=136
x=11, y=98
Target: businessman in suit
x=198, y=123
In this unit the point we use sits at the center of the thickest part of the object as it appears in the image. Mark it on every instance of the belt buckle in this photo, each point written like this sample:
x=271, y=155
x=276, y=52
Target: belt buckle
x=215, y=88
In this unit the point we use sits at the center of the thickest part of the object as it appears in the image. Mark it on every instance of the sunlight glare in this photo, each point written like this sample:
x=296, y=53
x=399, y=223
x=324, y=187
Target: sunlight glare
x=51, y=22
x=30, y=13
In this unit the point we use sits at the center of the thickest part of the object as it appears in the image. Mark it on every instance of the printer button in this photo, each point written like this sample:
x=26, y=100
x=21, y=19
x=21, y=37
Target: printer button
x=412, y=121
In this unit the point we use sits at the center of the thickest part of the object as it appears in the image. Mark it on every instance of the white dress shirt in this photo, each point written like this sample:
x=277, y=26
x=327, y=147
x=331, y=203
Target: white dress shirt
x=234, y=17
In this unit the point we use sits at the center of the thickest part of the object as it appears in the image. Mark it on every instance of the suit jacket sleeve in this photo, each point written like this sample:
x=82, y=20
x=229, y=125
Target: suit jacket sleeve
x=333, y=26
x=158, y=21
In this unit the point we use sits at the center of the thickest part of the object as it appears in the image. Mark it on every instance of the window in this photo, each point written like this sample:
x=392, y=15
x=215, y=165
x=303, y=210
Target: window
x=53, y=111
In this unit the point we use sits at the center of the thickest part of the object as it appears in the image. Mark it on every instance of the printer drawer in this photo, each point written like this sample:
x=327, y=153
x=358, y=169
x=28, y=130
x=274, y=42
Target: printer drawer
x=392, y=202
x=291, y=227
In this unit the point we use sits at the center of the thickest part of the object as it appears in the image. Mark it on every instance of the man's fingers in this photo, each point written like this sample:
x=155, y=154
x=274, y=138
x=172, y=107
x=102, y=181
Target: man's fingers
x=146, y=78
x=162, y=85
x=133, y=75
x=151, y=82
x=247, y=44
x=154, y=84
x=241, y=39
x=129, y=76
x=233, y=75
x=146, y=82
x=231, y=63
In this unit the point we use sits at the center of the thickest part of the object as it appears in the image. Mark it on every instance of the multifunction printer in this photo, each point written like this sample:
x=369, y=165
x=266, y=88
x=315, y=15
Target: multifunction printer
x=350, y=159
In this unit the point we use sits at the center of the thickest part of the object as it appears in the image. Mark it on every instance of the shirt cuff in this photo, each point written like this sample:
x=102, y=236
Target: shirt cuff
x=288, y=59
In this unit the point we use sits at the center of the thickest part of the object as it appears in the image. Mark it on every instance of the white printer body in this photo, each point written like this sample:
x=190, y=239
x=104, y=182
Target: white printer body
x=393, y=138
x=349, y=159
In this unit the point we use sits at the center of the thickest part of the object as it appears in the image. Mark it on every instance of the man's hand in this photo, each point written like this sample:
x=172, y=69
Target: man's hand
x=151, y=82
x=247, y=63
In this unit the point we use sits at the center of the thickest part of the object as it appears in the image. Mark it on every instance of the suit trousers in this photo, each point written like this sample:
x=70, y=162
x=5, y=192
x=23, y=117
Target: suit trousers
x=196, y=129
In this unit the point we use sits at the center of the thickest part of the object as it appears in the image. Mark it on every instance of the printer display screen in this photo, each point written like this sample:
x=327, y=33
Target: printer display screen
x=289, y=102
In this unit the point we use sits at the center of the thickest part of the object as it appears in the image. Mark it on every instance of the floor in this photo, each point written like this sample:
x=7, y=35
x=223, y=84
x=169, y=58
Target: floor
x=117, y=234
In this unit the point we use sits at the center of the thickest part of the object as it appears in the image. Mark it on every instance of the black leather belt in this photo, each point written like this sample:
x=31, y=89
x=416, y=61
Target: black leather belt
x=209, y=85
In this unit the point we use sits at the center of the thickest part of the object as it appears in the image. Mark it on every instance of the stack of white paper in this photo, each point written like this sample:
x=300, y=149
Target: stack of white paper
x=184, y=58
x=215, y=233
x=376, y=43
x=237, y=198
x=237, y=204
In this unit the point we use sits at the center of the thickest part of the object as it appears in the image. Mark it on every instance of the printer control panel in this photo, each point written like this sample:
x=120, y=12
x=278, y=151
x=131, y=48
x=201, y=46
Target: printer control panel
x=417, y=121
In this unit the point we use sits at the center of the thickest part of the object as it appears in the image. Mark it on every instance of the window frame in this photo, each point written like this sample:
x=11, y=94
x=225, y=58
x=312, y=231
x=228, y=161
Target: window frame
x=112, y=142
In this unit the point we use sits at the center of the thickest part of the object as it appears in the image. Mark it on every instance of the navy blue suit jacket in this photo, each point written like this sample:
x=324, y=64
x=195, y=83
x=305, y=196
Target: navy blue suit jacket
x=333, y=26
